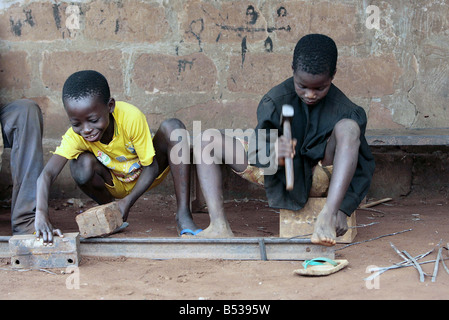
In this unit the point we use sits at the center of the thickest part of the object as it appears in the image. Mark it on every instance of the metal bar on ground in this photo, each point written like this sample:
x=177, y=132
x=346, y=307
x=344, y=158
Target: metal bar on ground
x=197, y=248
x=228, y=248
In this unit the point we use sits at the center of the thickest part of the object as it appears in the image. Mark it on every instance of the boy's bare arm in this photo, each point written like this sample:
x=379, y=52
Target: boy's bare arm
x=48, y=175
x=146, y=179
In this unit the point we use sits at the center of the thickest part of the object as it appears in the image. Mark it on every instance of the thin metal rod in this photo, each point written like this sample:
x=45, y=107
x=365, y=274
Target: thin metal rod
x=382, y=236
x=435, y=269
x=418, y=267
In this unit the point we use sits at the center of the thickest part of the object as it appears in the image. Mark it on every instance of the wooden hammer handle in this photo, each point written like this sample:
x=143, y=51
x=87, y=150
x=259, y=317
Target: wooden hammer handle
x=289, y=174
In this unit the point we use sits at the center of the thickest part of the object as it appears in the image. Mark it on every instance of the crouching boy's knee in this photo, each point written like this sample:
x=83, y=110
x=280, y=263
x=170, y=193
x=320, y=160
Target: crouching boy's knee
x=82, y=169
x=168, y=125
x=347, y=130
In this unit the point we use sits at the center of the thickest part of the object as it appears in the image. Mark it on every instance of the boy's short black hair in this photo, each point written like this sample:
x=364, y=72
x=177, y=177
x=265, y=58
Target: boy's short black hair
x=315, y=54
x=86, y=83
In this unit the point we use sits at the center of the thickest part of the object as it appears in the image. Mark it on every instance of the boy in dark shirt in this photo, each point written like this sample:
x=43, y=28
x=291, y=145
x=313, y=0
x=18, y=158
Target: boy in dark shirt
x=327, y=129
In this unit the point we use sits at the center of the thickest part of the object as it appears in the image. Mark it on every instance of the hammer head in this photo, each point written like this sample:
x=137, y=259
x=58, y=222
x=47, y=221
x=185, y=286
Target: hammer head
x=287, y=112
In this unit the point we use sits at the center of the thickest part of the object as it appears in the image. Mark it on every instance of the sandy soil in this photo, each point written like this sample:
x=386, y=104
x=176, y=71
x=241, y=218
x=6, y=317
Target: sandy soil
x=207, y=279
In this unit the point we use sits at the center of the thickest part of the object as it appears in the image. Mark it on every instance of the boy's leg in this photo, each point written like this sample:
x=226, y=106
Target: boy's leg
x=22, y=126
x=90, y=176
x=210, y=178
x=180, y=168
x=341, y=151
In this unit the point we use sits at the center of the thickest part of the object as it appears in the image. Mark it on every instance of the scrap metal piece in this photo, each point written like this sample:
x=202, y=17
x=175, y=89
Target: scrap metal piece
x=418, y=267
x=435, y=269
x=28, y=252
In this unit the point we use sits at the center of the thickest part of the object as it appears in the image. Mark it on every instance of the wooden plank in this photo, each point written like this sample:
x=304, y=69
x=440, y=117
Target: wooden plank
x=301, y=223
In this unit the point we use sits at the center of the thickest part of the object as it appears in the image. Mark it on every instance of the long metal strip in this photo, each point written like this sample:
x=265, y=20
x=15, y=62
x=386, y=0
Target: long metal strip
x=178, y=248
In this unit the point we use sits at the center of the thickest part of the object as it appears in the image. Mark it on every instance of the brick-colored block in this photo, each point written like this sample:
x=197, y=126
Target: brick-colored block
x=173, y=74
x=302, y=222
x=99, y=221
x=36, y=21
x=222, y=22
x=125, y=21
x=28, y=252
x=269, y=70
x=240, y=113
x=368, y=77
x=57, y=66
x=55, y=121
x=15, y=70
x=294, y=19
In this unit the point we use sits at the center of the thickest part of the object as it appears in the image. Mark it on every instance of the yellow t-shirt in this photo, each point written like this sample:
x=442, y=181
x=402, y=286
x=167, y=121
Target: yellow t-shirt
x=130, y=148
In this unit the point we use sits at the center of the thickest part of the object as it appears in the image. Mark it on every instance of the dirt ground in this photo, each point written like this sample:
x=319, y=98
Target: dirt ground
x=209, y=279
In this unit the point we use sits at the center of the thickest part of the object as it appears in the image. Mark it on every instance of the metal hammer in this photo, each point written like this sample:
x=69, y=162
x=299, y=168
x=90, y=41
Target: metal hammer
x=286, y=119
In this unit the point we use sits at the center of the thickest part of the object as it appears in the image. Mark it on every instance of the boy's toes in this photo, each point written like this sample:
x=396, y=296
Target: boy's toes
x=325, y=241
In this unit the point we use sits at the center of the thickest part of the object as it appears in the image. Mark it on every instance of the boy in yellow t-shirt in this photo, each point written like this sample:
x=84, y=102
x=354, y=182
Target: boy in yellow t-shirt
x=112, y=153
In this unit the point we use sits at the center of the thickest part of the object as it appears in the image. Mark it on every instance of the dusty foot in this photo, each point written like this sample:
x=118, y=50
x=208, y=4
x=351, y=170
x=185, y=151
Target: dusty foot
x=216, y=230
x=325, y=228
x=210, y=232
x=342, y=224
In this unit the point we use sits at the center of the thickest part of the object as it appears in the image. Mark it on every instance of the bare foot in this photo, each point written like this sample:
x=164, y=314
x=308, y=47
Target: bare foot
x=341, y=223
x=325, y=228
x=211, y=232
x=218, y=227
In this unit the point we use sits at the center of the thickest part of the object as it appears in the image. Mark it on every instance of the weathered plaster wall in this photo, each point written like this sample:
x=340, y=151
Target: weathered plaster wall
x=213, y=60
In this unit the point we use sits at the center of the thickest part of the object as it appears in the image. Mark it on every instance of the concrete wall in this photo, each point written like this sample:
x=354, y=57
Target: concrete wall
x=213, y=60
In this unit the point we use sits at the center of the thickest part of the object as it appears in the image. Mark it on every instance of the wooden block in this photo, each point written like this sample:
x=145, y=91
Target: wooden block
x=302, y=222
x=99, y=221
x=28, y=252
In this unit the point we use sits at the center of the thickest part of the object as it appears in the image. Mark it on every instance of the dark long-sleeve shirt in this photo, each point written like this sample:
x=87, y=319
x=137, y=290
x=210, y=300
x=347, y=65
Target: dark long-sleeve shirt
x=312, y=126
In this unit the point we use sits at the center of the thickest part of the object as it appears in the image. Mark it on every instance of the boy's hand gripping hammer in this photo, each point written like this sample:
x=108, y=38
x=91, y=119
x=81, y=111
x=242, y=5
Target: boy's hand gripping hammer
x=286, y=119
